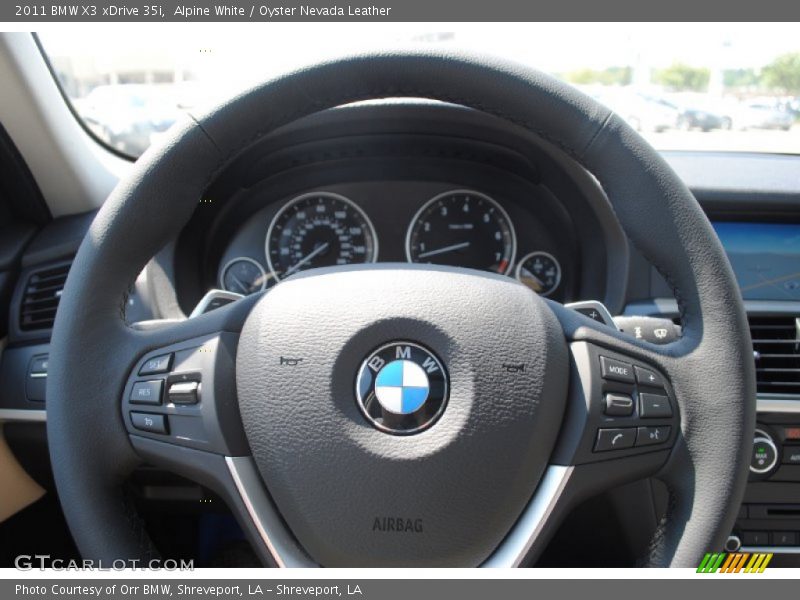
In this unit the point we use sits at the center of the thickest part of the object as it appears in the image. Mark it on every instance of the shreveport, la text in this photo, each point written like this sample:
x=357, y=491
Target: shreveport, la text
x=168, y=589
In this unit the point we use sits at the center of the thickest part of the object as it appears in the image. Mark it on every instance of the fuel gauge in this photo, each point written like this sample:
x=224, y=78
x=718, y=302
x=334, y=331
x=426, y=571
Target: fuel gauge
x=539, y=271
x=243, y=275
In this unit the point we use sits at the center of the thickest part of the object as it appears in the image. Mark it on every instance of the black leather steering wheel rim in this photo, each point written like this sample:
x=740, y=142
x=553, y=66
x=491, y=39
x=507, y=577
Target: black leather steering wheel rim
x=93, y=349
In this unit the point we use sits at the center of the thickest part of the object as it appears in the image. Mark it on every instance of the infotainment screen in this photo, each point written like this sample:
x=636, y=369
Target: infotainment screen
x=765, y=258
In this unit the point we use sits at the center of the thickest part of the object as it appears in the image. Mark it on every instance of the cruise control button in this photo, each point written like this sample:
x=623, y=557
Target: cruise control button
x=156, y=365
x=648, y=377
x=616, y=370
x=614, y=439
x=654, y=406
x=147, y=392
x=618, y=405
x=648, y=436
x=184, y=392
x=149, y=422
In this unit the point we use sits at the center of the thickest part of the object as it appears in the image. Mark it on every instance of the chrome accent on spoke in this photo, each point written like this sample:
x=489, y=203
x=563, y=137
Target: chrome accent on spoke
x=523, y=535
x=23, y=415
x=277, y=539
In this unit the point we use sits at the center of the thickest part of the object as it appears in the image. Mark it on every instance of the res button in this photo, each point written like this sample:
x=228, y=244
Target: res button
x=147, y=392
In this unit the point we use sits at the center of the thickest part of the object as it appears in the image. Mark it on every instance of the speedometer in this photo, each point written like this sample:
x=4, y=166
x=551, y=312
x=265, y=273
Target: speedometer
x=462, y=228
x=319, y=229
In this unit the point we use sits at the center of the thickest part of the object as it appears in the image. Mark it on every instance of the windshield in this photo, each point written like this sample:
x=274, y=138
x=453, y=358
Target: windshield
x=703, y=86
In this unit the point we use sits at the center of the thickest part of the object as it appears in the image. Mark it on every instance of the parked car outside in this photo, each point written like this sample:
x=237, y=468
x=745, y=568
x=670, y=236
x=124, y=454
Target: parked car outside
x=643, y=112
x=128, y=116
x=762, y=115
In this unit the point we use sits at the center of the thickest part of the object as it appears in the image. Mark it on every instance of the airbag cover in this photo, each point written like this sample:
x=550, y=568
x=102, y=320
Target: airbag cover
x=357, y=496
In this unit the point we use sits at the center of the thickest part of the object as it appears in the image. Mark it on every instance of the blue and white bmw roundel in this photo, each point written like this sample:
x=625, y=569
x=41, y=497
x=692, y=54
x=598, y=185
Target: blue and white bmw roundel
x=402, y=388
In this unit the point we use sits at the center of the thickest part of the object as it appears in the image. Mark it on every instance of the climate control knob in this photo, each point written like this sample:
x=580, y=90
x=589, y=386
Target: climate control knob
x=765, y=453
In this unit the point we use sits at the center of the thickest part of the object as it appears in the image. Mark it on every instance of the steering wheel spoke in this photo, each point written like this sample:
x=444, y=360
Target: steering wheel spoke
x=181, y=389
x=181, y=413
x=621, y=422
x=185, y=394
x=621, y=402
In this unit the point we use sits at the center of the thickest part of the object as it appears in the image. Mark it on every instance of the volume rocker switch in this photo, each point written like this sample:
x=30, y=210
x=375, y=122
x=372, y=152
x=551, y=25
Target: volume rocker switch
x=654, y=406
x=184, y=392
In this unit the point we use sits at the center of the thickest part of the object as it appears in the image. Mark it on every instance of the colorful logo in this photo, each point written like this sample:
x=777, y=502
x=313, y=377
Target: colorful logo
x=737, y=562
x=401, y=388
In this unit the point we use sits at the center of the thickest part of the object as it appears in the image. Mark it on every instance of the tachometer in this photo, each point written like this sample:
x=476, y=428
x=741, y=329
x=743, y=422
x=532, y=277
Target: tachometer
x=462, y=228
x=319, y=229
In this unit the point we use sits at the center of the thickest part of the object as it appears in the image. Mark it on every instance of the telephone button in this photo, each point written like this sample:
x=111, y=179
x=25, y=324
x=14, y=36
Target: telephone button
x=615, y=439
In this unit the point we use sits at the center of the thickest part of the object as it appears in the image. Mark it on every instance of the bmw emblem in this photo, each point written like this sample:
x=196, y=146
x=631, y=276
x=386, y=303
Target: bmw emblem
x=402, y=388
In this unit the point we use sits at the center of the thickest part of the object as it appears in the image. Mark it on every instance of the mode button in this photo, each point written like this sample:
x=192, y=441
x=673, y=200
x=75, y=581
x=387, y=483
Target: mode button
x=616, y=370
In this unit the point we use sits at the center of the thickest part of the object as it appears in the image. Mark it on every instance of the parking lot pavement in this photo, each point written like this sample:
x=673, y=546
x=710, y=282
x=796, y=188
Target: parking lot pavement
x=755, y=140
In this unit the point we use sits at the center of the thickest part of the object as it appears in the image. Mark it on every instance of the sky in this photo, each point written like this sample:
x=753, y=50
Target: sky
x=262, y=48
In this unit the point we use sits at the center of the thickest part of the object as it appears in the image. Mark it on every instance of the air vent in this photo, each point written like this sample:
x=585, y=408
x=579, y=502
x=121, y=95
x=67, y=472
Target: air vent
x=776, y=347
x=41, y=297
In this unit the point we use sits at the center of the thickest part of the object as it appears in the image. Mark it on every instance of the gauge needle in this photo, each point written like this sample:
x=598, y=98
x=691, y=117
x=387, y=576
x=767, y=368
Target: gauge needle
x=306, y=258
x=238, y=282
x=443, y=250
x=534, y=277
x=537, y=282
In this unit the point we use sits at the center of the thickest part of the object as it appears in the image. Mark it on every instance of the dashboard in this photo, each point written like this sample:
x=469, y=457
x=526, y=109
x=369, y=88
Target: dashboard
x=397, y=184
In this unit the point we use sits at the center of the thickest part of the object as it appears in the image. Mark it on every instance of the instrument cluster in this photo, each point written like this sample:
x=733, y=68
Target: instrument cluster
x=455, y=226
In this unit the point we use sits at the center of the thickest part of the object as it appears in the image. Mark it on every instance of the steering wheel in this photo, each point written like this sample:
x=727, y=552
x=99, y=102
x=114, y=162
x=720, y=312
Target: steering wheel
x=508, y=408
